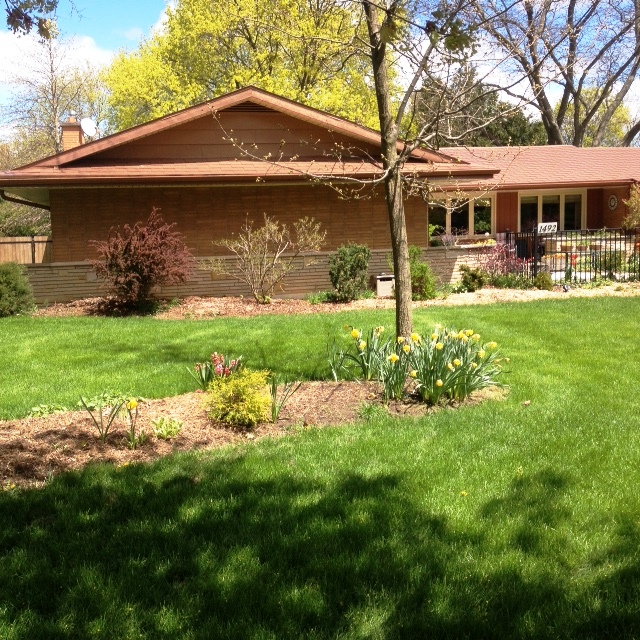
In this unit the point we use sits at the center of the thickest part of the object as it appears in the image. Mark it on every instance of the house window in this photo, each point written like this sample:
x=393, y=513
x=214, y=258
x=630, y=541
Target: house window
x=566, y=209
x=474, y=216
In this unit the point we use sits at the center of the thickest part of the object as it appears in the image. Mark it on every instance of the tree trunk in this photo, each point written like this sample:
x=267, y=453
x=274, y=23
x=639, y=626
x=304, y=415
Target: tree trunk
x=393, y=168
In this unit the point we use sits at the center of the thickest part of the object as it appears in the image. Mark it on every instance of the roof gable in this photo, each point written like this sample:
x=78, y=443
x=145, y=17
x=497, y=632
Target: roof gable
x=264, y=118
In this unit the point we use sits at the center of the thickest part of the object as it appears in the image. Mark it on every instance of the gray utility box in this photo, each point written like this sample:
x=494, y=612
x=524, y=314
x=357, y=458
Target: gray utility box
x=385, y=285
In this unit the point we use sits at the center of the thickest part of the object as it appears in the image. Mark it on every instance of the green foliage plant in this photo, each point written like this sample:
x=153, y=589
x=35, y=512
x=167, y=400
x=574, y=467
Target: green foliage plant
x=472, y=279
x=423, y=281
x=241, y=399
x=165, y=428
x=543, y=280
x=103, y=411
x=452, y=364
x=371, y=411
x=365, y=356
x=394, y=369
x=218, y=365
x=632, y=219
x=136, y=259
x=266, y=255
x=133, y=439
x=348, y=270
x=43, y=410
x=288, y=388
x=16, y=296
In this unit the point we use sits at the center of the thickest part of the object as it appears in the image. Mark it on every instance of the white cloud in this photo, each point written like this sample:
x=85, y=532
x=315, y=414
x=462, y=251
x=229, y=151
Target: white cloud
x=135, y=34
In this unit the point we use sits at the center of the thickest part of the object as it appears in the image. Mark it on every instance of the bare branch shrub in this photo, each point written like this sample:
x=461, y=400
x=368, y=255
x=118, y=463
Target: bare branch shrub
x=138, y=258
x=267, y=254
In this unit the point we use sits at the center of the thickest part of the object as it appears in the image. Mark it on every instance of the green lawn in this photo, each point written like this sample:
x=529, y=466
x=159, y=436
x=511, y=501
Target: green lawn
x=495, y=521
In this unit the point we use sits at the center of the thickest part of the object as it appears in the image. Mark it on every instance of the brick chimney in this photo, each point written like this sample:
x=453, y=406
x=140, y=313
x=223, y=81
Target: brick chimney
x=71, y=133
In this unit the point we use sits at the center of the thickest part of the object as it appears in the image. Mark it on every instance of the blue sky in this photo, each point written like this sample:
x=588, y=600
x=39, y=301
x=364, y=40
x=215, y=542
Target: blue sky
x=111, y=24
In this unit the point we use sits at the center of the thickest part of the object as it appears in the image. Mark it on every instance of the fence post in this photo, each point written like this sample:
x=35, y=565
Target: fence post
x=33, y=249
x=535, y=251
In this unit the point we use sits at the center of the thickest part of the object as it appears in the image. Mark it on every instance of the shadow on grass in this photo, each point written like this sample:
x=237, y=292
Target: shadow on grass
x=200, y=548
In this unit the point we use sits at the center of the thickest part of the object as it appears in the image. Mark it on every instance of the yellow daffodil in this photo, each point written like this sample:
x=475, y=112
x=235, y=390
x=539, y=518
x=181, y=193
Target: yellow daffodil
x=379, y=330
x=439, y=346
x=481, y=353
x=469, y=332
x=393, y=358
x=413, y=373
x=132, y=404
x=507, y=360
x=464, y=339
x=438, y=327
x=460, y=335
x=439, y=382
x=362, y=345
x=434, y=336
x=400, y=339
x=415, y=337
x=355, y=334
x=475, y=337
x=406, y=348
x=456, y=363
x=450, y=367
x=474, y=365
x=491, y=345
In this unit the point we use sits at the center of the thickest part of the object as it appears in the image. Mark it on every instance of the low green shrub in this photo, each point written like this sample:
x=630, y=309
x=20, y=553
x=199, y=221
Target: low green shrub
x=511, y=281
x=166, y=428
x=348, y=270
x=241, y=399
x=543, y=281
x=472, y=279
x=16, y=295
x=423, y=281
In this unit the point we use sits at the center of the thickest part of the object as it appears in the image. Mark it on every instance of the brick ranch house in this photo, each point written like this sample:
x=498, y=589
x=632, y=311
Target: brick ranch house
x=205, y=168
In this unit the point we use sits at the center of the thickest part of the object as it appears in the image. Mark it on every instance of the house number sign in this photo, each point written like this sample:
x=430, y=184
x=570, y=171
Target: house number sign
x=547, y=227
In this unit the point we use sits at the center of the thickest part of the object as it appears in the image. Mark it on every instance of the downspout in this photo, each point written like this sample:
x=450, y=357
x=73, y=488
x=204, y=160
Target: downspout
x=4, y=196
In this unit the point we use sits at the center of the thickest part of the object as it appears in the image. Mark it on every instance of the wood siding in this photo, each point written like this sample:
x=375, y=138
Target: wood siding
x=595, y=201
x=259, y=133
x=205, y=215
x=506, y=211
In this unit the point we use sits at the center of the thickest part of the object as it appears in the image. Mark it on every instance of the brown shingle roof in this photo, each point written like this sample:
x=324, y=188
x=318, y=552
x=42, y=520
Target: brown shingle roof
x=555, y=166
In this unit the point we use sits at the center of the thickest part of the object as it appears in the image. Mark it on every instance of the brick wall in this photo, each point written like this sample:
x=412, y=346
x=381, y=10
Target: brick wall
x=206, y=214
x=63, y=282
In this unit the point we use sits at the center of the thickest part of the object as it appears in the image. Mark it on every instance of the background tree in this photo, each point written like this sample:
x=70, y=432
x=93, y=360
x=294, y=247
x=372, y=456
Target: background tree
x=614, y=131
x=47, y=89
x=25, y=15
x=301, y=49
x=17, y=219
x=466, y=112
x=589, y=51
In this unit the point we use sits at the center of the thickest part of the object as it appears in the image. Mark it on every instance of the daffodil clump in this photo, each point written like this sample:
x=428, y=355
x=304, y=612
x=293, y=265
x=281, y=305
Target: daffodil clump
x=452, y=364
x=447, y=364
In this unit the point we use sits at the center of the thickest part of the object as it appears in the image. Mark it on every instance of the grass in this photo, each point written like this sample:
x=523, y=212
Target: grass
x=503, y=520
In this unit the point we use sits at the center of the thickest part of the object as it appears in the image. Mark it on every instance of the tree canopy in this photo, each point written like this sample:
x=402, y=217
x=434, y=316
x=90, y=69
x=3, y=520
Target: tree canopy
x=305, y=50
x=588, y=50
x=25, y=15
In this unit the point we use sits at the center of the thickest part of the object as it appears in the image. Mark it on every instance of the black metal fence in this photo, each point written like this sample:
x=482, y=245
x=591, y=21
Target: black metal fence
x=579, y=256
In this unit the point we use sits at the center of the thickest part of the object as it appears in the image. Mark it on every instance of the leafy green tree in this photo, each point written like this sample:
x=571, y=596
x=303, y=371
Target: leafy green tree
x=306, y=50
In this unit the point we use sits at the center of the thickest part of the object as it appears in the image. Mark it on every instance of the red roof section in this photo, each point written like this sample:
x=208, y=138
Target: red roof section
x=554, y=166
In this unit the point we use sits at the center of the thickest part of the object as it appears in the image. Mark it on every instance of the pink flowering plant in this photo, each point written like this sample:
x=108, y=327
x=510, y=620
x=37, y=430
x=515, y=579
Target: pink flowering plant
x=218, y=366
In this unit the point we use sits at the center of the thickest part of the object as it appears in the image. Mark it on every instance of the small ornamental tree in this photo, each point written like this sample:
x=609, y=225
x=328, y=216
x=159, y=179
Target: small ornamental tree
x=632, y=219
x=136, y=259
x=348, y=270
x=267, y=254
